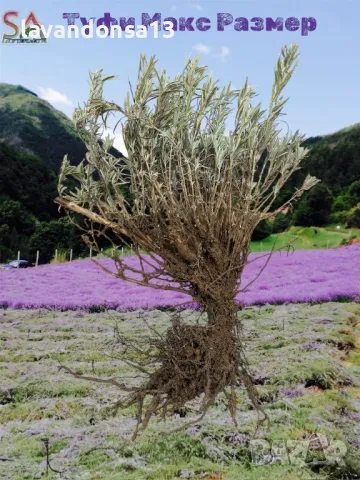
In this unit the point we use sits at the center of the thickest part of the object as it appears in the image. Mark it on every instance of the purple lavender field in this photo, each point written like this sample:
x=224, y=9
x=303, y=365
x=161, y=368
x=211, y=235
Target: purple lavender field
x=302, y=276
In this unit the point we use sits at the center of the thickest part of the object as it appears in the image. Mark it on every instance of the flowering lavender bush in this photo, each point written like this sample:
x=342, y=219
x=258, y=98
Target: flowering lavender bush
x=302, y=276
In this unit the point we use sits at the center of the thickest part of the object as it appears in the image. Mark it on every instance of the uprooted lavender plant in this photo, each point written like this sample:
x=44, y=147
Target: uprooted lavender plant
x=194, y=196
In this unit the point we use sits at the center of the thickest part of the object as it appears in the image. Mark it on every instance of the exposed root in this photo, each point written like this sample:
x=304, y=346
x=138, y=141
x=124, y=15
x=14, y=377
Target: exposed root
x=188, y=362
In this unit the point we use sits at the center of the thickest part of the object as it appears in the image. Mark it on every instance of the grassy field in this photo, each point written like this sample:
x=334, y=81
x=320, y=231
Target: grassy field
x=305, y=359
x=307, y=238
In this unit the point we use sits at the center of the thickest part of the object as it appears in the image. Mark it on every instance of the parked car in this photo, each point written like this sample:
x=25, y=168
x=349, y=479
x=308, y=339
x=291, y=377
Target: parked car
x=17, y=264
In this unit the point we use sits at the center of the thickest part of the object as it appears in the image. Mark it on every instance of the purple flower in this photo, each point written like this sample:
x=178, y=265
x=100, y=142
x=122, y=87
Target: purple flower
x=83, y=285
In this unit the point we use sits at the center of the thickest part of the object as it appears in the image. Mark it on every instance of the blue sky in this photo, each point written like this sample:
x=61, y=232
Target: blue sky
x=324, y=92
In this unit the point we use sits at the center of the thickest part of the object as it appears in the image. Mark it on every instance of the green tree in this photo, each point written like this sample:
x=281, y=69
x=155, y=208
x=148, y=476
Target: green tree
x=354, y=218
x=26, y=179
x=58, y=234
x=354, y=190
x=262, y=230
x=16, y=226
x=314, y=208
x=281, y=223
x=344, y=202
x=340, y=217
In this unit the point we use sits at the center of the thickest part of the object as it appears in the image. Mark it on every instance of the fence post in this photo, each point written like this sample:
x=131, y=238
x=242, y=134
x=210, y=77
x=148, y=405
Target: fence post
x=122, y=251
x=90, y=252
x=71, y=254
x=18, y=259
x=56, y=255
x=37, y=258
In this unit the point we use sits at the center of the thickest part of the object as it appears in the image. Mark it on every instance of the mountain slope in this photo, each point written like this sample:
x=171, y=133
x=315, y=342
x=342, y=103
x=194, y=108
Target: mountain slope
x=34, y=137
x=33, y=126
x=335, y=158
x=27, y=180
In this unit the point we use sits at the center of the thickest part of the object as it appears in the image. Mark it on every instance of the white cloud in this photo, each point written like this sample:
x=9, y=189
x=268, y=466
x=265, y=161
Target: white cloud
x=53, y=96
x=225, y=52
x=118, y=140
x=202, y=48
x=196, y=6
x=221, y=53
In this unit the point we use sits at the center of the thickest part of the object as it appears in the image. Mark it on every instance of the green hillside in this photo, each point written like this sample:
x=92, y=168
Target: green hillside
x=34, y=137
x=32, y=126
x=335, y=158
x=307, y=238
x=21, y=176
